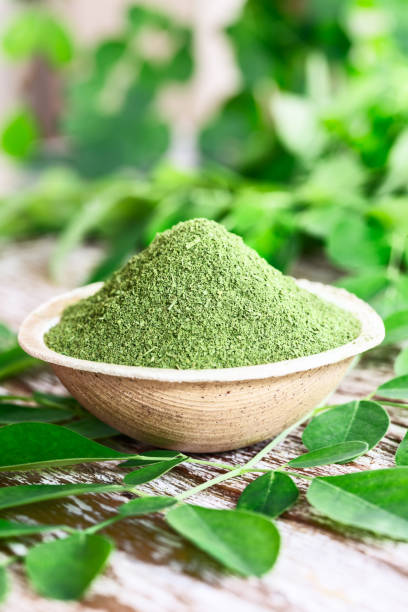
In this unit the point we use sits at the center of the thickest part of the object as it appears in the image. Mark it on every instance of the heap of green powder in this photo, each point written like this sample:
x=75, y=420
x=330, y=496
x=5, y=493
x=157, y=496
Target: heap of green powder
x=198, y=297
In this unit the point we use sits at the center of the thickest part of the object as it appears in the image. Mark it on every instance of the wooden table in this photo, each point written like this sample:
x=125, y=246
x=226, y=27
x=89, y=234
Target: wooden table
x=153, y=570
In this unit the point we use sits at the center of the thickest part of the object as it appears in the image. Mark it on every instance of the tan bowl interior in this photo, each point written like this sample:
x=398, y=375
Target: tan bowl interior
x=202, y=410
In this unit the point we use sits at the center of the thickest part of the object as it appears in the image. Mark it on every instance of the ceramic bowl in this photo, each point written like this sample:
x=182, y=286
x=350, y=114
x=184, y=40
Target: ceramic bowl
x=202, y=410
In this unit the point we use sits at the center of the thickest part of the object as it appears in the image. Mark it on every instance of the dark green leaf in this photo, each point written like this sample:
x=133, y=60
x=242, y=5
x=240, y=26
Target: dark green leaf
x=359, y=420
x=4, y=584
x=20, y=495
x=245, y=542
x=152, y=456
x=401, y=363
x=54, y=401
x=401, y=457
x=269, y=494
x=396, y=327
x=13, y=413
x=93, y=428
x=151, y=472
x=37, y=445
x=9, y=529
x=64, y=569
x=396, y=388
x=14, y=361
x=144, y=505
x=375, y=500
x=343, y=451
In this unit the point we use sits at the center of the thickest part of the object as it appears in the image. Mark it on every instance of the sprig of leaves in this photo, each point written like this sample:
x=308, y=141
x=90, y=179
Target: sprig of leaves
x=245, y=540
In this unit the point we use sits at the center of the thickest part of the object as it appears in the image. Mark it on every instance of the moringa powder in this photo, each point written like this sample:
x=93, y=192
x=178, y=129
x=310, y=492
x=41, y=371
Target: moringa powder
x=198, y=297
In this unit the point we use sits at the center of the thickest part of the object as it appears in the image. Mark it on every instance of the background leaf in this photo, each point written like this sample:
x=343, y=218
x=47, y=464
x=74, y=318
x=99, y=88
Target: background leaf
x=145, y=505
x=151, y=472
x=29, y=446
x=64, y=569
x=359, y=420
x=9, y=529
x=269, y=494
x=4, y=584
x=396, y=327
x=245, y=542
x=396, y=388
x=153, y=456
x=14, y=413
x=92, y=428
x=401, y=363
x=343, y=451
x=376, y=500
x=401, y=457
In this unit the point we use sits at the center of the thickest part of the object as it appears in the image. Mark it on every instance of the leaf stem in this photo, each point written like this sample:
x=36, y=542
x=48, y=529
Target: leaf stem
x=209, y=483
x=395, y=404
x=223, y=466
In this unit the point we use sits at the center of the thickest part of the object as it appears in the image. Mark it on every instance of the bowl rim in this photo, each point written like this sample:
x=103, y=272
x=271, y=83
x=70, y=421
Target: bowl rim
x=40, y=320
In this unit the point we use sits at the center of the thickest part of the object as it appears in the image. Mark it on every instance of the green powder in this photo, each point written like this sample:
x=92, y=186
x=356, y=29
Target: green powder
x=198, y=297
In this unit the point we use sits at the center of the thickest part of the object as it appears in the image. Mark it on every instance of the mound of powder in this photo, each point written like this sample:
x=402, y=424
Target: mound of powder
x=198, y=297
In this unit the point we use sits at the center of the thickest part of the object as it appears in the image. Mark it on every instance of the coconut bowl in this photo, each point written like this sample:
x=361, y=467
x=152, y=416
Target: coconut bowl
x=209, y=410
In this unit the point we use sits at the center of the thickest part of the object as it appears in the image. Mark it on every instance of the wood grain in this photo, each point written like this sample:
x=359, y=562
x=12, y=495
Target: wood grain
x=153, y=570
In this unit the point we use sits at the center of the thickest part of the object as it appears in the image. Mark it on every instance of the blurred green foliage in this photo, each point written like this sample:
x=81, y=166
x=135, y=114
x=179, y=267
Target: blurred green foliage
x=310, y=153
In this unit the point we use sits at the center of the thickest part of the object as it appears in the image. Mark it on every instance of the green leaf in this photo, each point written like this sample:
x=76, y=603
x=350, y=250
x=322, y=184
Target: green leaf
x=365, y=286
x=396, y=388
x=93, y=428
x=401, y=363
x=20, y=495
x=13, y=413
x=54, y=401
x=8, y=338
x=152, y=456
x=20, y=135
x=29, y=446
x=359, y=420
x=4, y=584
x=269, y=494
x=8, y=529
x=396, y=327
x=151, y=472
x=14, y=361
x=401, y=457
x=376, y=500
x=245, y=542
x=145, y=505
x=64, y=569
x=343, y=451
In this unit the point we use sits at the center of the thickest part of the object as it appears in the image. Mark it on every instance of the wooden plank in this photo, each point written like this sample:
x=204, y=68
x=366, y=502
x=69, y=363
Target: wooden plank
x=153, y=570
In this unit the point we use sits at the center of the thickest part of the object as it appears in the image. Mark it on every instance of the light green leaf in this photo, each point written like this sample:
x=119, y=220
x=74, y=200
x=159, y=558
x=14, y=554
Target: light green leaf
x=344, y=451
x=269, y=494
x=4, y=584
x=396, y=327
x=376, y=500
x=365, y=286
x=245, y=542
x=359, y=420
x=64, y=569
x=401, y=363
x=151, y=472
x=396, y=388
x=20, y=134
x=153, y=456
x=8, y=338
x=13, y=413
x=8, y=529
x=21, y=495
x=145, y=505
x=401, y=457
x=29, y=446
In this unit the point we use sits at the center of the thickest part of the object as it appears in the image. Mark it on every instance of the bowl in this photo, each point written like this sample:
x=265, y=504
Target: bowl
x=208, y=410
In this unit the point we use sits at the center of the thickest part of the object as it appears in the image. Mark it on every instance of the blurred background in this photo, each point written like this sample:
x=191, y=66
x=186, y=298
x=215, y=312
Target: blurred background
x=285, y=120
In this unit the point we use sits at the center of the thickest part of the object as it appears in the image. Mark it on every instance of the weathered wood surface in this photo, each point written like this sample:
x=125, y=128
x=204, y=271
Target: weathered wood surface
x=153, y=570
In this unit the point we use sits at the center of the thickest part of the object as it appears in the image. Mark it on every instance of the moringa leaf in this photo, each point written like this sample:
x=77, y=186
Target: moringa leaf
x=14, y=413
x=396, y=327
x=151, y=472
x=8, y=338
x=92, y=428
x=245, y=542
x=9, y=529
x=145, y=505
x=401, y=457
x=396, y=388
x=20, y=495
x=401, y=363
x=28, y=446
x=54, y=401
x=4, y=584
x=64, y=569
x=152, y=456
x=344, y=451
x=359, y=420
x=269, y=494
x=14, y=361
x=376, y=500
